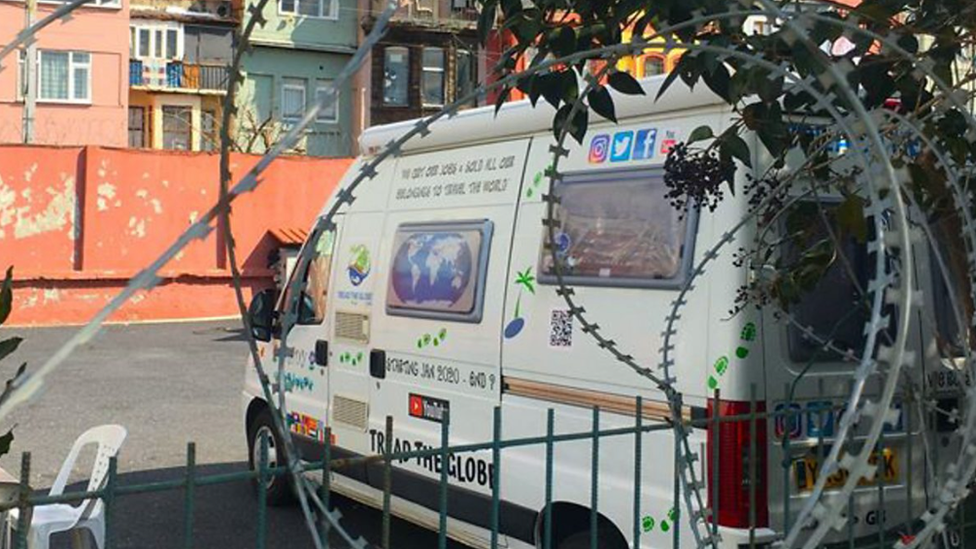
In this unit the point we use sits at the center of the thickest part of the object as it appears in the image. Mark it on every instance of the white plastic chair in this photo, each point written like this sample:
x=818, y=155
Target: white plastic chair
x=62, y=517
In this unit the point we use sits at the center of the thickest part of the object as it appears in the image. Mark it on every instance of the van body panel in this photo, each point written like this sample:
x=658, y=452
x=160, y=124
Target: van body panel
x=451, y=214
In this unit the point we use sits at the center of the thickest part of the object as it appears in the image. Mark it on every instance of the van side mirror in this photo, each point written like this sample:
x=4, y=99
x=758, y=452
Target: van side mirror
x=262, y=315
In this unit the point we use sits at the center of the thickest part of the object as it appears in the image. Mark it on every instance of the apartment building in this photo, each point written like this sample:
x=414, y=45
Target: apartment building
x=78, y=72
x=180, y=53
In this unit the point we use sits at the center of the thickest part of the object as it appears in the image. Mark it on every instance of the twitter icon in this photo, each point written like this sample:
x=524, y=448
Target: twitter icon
x=622, y=144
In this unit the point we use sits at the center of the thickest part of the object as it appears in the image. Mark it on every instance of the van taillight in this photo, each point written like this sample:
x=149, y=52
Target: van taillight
x=734, y=447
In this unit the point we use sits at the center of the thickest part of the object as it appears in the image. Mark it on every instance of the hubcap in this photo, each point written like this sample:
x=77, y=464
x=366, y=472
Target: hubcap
x=265, y=432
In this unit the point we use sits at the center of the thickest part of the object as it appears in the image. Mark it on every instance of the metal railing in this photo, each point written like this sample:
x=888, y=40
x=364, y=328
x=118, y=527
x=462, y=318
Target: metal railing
x=178, y=75
x=752, y=486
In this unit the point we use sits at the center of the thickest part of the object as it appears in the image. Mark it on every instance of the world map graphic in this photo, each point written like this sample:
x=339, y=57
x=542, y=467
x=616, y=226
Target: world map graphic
x=432, y=269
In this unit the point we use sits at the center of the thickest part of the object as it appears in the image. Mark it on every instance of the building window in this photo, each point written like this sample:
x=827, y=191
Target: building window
x=467, y=74
x=209, y=136
x=329, y=113
x=325, y=9
x=137, y=127
x=65, y=76
x=21, y=75
x=432, y=85
x=653, y=65
x=292, y=98
x=145, y=40
x=396, y=75
x=159, y=41
x=177, y=128
x=172, y=41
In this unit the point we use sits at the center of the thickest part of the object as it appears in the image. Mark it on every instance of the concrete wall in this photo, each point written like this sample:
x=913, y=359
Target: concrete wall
x=76, y=223
x=101, y=31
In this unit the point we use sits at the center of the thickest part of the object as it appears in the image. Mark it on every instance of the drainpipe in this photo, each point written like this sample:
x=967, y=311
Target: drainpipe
x=30, y=81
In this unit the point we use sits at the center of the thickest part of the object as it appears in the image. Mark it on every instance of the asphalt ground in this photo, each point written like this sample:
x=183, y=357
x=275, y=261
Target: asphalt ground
x=167, y=384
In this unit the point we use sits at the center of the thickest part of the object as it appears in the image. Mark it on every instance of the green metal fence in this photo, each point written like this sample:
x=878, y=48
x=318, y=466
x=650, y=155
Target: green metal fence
x=113, y=492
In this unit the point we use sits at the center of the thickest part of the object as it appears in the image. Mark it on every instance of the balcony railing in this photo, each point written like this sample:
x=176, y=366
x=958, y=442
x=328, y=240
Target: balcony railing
x=177, y=75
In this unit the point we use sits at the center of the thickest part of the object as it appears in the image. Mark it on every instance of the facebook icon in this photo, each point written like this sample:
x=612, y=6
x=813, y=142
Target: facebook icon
x=644, y=144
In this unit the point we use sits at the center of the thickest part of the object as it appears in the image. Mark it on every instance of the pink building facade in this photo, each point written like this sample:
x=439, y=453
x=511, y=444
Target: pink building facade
x=81, y=75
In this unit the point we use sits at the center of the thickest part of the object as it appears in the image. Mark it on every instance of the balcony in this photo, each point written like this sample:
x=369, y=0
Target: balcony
x=178, y=76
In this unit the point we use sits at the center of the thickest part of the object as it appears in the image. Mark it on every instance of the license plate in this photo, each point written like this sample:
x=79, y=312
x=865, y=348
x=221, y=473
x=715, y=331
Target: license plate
x=807, y=468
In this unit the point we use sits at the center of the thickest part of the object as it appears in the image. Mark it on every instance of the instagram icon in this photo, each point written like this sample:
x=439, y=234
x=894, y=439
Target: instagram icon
x=599, y=147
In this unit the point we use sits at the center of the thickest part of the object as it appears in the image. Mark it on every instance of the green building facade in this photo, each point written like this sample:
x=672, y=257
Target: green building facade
x=295, y=58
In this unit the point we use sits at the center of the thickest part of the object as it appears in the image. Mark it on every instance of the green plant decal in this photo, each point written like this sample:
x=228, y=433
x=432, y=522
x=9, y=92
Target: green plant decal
x=349, y=358
x=525, y=281
x=537, y=180
x=722, y=365
x=436, y=340
x=647, y=523
x=666, y=523
x=749, y=331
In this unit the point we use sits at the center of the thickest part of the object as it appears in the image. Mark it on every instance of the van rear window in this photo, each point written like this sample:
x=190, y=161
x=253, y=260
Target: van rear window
x=438, y=270
x=617, y=228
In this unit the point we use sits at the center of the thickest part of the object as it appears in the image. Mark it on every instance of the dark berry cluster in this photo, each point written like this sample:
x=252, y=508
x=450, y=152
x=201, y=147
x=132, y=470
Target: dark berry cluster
x=770, y=189
x=695, y=177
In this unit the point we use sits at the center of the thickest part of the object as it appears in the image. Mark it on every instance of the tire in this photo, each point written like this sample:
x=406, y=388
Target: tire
x=581, y=540
x=280, y=489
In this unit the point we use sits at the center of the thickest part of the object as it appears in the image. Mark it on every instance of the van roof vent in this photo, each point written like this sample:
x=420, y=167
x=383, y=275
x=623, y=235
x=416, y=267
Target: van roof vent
x=352, y=326
x=349, y=411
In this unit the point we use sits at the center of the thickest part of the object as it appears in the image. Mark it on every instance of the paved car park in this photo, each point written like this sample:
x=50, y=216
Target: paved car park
x=167, y=384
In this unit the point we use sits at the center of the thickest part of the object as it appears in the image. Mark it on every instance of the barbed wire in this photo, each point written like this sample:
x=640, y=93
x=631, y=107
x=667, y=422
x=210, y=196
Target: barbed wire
x=892, y=287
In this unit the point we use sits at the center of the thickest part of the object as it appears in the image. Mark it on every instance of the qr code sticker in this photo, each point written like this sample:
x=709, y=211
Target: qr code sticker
x=560, y=328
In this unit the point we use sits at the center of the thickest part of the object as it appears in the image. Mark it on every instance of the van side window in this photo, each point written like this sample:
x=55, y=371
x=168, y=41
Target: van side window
x=617, y=228
x=316, y=290
x=833, y=308
x=438, y=270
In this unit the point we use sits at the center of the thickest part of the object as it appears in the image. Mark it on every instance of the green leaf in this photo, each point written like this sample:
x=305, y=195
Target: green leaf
x=569, y=86
x=5, y=442
x=551, y=86
x=8, y=346
x=625, y=83
x=735, y=146
x=700, y=133
x=562, y=41
x=502, y=98
x=601, y=103
x=9, y=386
x=672, y=76
x=576, y=127
x=486, y=20
x=6, y=295
x=850, y=218
x=718, y=81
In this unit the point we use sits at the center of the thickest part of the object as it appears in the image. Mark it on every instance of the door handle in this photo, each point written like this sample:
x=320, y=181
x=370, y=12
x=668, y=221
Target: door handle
x=322, y=352
x=377, y=364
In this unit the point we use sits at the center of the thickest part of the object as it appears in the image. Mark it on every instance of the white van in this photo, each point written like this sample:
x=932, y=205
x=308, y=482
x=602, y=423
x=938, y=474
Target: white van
x=435, y=294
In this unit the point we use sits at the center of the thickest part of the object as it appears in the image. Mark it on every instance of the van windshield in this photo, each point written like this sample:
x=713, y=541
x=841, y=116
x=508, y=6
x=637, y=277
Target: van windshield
x=315, y=290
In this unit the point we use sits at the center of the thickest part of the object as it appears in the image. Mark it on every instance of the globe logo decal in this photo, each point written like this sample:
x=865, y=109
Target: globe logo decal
x=359, y=265
x=432, y=269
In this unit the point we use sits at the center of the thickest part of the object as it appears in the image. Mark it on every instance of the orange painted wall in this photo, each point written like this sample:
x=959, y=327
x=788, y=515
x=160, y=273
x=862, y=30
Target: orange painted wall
x=76, y=223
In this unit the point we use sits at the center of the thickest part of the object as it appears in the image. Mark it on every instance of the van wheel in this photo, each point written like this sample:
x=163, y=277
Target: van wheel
x=280, y=489
x=581, y=540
